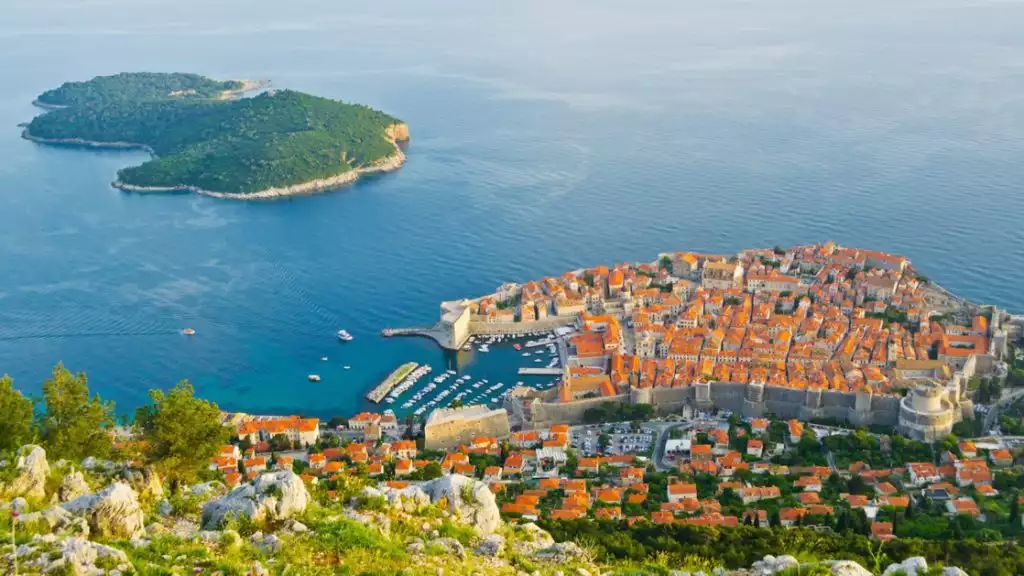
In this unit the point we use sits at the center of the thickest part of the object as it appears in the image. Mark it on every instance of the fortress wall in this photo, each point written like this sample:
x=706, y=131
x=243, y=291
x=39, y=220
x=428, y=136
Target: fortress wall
x=546, y=414
x=728, y=395
x=450, y=434
x=839, y=399
x=671, y=400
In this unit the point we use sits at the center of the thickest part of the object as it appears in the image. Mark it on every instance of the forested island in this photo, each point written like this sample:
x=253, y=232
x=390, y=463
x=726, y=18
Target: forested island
x=207, y=139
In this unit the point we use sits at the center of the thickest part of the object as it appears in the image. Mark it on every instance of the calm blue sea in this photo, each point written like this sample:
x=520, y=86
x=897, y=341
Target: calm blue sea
x=546, y=136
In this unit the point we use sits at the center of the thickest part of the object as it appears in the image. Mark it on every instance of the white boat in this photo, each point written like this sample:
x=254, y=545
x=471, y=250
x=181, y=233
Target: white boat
x=313, y=377
x=348, y=367
x=526, y=354
x=323, y=358
x=344, y=336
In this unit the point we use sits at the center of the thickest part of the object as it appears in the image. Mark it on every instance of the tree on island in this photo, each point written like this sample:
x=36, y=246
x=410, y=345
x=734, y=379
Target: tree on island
x=15, y=416
x=182, y=432
x=74, y=425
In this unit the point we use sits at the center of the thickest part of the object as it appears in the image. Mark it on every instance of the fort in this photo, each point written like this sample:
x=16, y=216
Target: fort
x=448, y=428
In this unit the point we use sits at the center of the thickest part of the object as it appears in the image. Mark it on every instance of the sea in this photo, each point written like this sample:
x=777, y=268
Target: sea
x=546, y=136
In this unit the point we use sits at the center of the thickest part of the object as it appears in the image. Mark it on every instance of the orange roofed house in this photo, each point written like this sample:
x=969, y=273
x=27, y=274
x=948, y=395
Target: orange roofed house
x=304, y=431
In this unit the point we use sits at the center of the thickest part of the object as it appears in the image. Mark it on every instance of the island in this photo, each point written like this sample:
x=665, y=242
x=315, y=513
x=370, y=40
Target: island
x=206, y=138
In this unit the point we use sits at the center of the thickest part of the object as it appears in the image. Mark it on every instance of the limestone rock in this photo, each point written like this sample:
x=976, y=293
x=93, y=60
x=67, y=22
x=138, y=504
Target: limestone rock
x=146, y=483
x=531, y=538
x=410, y=499
x=913, y=566
x=378, y=521
x=449, y=546
x=416, y=546
x=771, y=565
x=72, y=486
x=59, y=520
x=209, y=489
x=560, y=553
x=953, y=571
x=849, y=568
x=296, y=526
x=113, y=512
x=276, y=495
x=491, y=546
x=78, y=555
x=32, y=471
x=467, y=498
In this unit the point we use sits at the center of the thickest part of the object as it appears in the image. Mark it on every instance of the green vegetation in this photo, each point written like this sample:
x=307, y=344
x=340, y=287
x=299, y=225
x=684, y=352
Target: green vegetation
x=74, y=425
x=742, y=546
x=136, y=87
x=618, y=412
x=276, y=139
x=15, y=416
x=181, y=432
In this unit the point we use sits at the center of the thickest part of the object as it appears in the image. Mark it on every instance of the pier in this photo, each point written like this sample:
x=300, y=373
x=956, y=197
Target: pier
x=540, y=371
x=437, y=333
x=382, y=389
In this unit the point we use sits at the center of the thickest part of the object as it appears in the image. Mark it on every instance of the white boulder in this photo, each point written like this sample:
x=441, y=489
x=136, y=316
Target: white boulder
x=530, y=538
x=72, y=486
x=491, y=546
x=468, y=499
x=275, y=495
x=913, y=566
x=410, y=499
x=32, y=470
x=773, y=564
x=849, y=568
x=113, y=512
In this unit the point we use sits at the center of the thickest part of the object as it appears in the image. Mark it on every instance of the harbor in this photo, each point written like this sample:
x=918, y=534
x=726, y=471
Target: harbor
x=536, y=356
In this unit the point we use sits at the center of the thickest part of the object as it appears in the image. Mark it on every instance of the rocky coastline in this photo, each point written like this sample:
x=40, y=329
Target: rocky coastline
x=395, y=133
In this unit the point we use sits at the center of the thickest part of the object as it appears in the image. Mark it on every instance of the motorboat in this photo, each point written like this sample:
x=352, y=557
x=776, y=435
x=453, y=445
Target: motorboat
x=189, y=331
x=344, y=336
x=313, y=377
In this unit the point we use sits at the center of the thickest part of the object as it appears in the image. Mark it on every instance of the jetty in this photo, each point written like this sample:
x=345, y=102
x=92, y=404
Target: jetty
x=436, y=333
x=540, y=371
x=382, y=389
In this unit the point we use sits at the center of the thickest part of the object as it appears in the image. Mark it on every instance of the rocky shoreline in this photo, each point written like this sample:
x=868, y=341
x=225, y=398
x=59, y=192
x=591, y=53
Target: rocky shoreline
x=395, y=133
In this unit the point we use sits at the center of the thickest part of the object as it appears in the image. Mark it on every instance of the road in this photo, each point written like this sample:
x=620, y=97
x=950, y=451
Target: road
x=1005, y=400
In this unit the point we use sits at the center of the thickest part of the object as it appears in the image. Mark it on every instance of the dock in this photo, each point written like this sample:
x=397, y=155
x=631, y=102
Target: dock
x=382, y=389
x=540, y=371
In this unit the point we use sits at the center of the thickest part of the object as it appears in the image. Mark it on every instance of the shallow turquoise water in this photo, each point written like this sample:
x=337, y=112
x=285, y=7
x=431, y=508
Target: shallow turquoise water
x=544, y=139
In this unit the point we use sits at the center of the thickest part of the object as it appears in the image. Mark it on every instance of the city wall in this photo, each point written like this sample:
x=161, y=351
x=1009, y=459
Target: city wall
x=750, y=400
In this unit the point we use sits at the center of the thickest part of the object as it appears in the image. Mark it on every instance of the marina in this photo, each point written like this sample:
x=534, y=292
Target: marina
x=416, y=393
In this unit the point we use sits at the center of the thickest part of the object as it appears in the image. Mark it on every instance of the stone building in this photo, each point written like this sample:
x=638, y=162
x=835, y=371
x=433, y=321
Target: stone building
x=447, y=428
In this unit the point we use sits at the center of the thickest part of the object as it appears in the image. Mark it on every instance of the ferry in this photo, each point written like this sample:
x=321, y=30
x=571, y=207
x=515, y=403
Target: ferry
x=189, y=331
x=344, y=336
x=313, y=377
